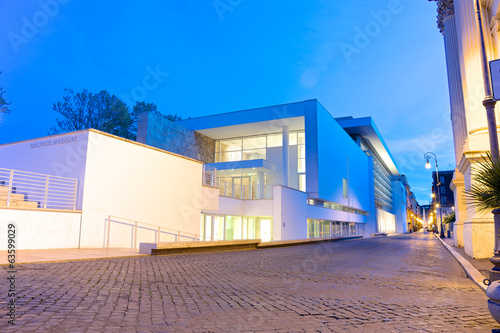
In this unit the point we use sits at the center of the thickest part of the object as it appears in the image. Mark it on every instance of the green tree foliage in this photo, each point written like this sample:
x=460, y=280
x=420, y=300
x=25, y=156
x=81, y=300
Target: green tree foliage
x=484, y=193
x=4, y=105
x=151, y=107
x=449, y=218
x=101, y=111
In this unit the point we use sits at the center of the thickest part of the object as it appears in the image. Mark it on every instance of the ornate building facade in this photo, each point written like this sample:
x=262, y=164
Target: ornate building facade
x=457, y=21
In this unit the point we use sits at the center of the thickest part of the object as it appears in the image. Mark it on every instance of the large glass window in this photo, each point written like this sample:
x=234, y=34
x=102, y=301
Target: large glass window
x=274, y=140
x=230, y=145
x=302, y=182
x=254, y=147
x=233, y=228
x=301, y=152
x=254, y=154
x=325, y=228
x=216, y=227
x=254, y=142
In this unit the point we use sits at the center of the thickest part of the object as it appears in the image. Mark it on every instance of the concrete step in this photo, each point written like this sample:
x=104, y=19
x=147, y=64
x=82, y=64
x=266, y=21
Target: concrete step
x=18, y=203
x=190, y=247
x=24, y=204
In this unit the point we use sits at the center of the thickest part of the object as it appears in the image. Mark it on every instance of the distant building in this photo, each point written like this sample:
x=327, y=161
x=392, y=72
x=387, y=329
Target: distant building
x=413, y=211
x=428, y=218
x=443, y=195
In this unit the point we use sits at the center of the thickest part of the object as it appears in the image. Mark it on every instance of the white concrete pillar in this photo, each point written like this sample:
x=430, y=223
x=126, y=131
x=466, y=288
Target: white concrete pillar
x=261, y=179
x=286, y=147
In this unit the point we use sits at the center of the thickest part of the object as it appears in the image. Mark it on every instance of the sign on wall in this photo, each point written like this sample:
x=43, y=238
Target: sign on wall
x=495, y=78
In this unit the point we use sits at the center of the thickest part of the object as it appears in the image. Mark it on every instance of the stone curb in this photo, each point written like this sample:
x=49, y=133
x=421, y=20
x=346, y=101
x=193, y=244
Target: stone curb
x=470, y=270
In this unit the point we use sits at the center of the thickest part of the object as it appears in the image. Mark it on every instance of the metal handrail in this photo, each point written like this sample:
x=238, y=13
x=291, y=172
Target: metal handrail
x=48, y=191
x=209, y=176
x=157, y=230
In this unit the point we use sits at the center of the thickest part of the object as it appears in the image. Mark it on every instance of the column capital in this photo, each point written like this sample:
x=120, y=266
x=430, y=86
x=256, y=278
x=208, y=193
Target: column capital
x=445, y=9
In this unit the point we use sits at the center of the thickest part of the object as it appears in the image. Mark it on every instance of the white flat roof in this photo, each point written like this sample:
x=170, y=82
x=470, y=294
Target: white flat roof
x=366, y=128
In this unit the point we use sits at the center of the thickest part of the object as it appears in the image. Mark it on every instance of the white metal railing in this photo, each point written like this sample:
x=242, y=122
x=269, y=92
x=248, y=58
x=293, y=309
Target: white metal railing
x=177, y=235
x=209, y=177
x=35, y=190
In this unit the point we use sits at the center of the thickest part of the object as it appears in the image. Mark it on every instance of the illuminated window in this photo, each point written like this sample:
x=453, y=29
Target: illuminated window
x=302, y=182
x=274, y=140
x=254, y=147
x=301, y=153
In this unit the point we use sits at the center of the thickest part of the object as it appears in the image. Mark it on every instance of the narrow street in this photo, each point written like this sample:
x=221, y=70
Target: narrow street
x=387, y=284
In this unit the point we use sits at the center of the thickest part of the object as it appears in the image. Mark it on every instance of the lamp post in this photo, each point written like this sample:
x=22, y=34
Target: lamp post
x=428, y=156
x=489, y=105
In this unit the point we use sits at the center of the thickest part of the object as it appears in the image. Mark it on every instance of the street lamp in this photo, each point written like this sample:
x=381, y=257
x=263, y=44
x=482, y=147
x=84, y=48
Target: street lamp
x=428, y=156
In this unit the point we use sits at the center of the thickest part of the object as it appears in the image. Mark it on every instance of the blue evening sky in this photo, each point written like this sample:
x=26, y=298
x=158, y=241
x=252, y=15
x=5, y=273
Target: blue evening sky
x=378, y=58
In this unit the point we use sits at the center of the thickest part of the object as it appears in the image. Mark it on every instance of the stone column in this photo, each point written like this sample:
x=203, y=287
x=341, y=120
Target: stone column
x=470, y=62
x=446, y=23
x=286, y=146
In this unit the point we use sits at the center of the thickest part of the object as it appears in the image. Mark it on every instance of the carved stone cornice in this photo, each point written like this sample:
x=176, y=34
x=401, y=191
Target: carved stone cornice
x=445, y=9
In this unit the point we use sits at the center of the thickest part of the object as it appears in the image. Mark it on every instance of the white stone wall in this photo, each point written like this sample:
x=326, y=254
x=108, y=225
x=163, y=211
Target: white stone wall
x=37, y=229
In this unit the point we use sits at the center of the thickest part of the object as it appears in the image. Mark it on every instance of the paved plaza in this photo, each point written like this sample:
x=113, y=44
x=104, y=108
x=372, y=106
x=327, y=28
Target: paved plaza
x=407, y=283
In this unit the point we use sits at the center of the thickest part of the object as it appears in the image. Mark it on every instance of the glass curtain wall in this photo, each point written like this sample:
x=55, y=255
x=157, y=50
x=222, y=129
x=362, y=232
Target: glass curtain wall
x=325, y=228
x=215, y=227
x=382, y=181
x=252, y=148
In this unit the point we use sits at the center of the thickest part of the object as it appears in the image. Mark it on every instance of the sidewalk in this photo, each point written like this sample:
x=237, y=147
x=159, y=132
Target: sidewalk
x=62, y=255
x=476, y=269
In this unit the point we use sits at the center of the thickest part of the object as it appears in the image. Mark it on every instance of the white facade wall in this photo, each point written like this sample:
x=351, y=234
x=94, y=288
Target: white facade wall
x=399, y=206
x=115, y=177
x=37, y=229
x=137, y=182
x=290, y=214
x=339, y=157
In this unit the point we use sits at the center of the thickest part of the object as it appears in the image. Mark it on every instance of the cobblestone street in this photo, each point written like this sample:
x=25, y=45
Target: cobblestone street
x=407, y=283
